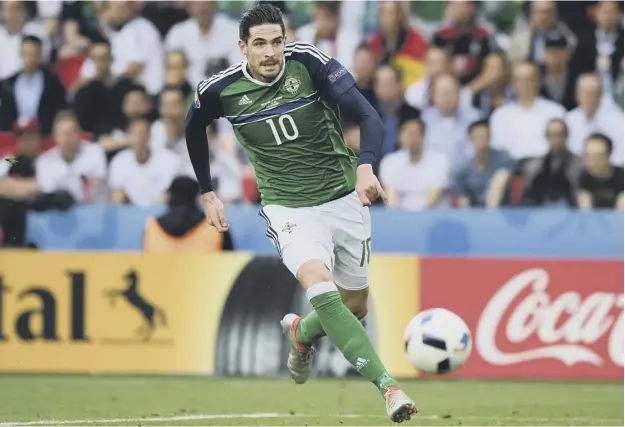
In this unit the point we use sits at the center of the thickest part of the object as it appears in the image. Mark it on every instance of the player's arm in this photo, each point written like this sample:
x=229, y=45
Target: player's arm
x=206, y=108
x=335, y=83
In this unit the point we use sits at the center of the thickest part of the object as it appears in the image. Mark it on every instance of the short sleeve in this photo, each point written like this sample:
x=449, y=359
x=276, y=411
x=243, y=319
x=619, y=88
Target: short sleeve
x=98, y=163
x=386, y=171
x=505, y=161
x=116, y=172
x=4, y=167
x=44, y=174
x=460, y=179
x=329, y=76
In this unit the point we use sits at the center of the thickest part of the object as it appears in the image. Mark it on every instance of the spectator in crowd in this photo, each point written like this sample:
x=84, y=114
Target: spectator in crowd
x=558, y=83
x=136, y=105
x=72, y=166
x=364, y=72
x=202, y=39
x=519, y=127
x=141, y=175
x=414, y=179
x=601, y=50
x=595, y=116
x=98, y=103
x=325, y=32
x=447, y=121
x=176, y=72
x=391, y=106
x=600, y=184
x=168, y=131
x=163, y=14
x=12, y=31
x=482, y=180
x=398, y=44
x=419, y=94
x=491, y=88
x=183, y=228
x=552, y=179
x=18, y=184
x=466, y=42
x=33, y=93
x=528, y=43
x=136, y=47
x=74, y=43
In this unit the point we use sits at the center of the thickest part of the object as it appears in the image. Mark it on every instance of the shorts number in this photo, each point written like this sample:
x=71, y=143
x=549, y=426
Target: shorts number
x=366, y=252
x=289, y=136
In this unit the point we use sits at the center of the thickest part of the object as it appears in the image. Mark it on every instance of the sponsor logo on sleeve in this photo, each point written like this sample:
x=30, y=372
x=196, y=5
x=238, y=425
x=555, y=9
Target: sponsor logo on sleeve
x=196, y=100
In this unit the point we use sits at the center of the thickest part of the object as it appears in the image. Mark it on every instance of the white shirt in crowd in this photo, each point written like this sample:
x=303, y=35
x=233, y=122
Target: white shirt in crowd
x=137, y=41
x=342, y=49
x=448, y=135
x=414, y=181
x=521, y=131
x=10, y=46
x=607, y=120
x=54, y=173
x=143, y=183
x=201, y=49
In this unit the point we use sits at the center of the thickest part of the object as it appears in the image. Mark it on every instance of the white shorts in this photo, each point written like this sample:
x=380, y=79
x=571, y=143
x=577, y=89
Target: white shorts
x=337, y=233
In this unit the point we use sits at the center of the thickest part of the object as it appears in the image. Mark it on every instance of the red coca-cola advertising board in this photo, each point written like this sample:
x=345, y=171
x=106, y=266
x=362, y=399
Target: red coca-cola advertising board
x=533, y=318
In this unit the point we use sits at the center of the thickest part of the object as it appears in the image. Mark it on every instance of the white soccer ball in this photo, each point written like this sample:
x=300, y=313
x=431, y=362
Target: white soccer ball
x=437, y=341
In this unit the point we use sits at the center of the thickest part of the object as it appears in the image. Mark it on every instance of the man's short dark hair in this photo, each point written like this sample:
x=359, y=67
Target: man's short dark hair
x=478, y=123
x=603, y=138
x=414, y=119
x=262, y=13
x=32, y=39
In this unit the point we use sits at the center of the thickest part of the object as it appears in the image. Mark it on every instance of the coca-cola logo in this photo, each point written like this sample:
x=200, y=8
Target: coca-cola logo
x=566, y=325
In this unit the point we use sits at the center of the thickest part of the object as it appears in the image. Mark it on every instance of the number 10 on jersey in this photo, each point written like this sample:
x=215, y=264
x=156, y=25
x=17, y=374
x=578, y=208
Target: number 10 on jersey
x=284, y=133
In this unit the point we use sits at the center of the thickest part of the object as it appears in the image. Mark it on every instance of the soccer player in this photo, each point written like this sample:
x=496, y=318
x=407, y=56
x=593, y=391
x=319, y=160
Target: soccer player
x=284, y=102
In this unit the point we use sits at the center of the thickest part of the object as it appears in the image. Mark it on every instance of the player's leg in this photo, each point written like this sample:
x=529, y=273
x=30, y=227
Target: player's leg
x=351, y=227
x=299, y=236
x=309, y=328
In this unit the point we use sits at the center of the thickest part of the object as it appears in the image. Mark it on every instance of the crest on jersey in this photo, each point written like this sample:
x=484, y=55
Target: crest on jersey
x=196, y=100
x=291, y=85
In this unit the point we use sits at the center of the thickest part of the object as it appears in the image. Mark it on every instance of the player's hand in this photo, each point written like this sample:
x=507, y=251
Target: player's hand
x=367, y=186
x=215, y=212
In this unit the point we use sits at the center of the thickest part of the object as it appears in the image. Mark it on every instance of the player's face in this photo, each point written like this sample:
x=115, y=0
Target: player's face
x=264, y=51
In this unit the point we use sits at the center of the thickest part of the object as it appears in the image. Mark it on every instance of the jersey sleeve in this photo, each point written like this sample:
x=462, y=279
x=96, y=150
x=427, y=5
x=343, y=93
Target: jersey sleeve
x=205, y=109
x=329, y=76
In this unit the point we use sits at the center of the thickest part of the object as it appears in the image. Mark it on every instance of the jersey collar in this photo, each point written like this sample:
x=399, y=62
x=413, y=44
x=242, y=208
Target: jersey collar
x=258, y=82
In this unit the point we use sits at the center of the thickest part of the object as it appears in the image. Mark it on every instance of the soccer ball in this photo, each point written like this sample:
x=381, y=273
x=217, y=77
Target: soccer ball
x=437, y=341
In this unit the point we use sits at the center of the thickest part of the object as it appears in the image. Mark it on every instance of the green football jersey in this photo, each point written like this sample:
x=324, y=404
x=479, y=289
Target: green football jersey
x=289, y=128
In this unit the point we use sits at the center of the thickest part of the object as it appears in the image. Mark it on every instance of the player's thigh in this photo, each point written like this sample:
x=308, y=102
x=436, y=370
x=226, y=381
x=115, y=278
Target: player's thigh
x=351, y=228
x=299, y=236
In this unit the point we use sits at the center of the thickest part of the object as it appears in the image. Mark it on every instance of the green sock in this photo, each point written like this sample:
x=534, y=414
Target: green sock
x=309, y=328
x=348, y=335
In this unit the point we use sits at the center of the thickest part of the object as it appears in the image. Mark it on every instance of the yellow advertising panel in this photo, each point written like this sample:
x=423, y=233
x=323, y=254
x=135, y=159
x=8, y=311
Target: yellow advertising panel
x=170, y=313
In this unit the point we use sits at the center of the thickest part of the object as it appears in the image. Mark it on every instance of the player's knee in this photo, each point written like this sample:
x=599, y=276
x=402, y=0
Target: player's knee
x=313, y=272
x=356, y=301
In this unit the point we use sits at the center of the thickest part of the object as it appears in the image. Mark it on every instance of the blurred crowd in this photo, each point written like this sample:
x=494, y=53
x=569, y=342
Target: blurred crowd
x=93, y=97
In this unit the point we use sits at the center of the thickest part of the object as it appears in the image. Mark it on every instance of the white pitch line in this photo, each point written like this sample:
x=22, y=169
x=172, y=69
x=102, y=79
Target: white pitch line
x=271, y=415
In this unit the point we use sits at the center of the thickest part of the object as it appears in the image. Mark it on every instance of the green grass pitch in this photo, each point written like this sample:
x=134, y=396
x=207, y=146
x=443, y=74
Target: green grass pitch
x=122, y=400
